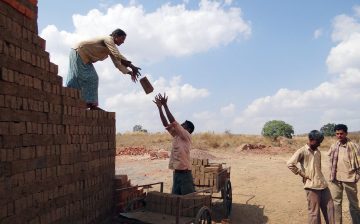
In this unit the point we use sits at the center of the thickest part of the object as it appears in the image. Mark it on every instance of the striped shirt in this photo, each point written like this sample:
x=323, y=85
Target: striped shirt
x=348, y=160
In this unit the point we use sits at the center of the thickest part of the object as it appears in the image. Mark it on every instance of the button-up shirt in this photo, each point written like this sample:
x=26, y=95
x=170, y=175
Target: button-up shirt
x=100, y=48
x=348, y=160
x=181, y=145
x=310, y=163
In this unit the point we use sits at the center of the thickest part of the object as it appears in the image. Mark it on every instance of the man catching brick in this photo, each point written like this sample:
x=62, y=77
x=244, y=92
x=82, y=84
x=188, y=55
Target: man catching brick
x=181, y=144
x=82, y=74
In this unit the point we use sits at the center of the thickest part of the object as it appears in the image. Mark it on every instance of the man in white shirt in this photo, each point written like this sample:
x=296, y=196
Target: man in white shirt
x=181, y=145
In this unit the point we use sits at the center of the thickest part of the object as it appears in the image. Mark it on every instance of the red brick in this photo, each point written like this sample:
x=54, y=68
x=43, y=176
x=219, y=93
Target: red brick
x=10, y=101
x=10, y=209
x=2, y=100
x=17, y=128
x=18, y=166
x=27, y=153
x=11, y=141
x=29, y=176
x=1, y=43
x=3, y=212
x=4, y=128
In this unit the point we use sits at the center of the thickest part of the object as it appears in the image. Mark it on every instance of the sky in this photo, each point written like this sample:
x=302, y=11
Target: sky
x=226, y=65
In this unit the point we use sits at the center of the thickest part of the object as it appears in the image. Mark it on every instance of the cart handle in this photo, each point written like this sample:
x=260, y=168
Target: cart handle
x=145, y=186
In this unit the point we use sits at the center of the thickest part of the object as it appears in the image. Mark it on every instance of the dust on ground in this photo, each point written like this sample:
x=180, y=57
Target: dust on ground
x=264, y=190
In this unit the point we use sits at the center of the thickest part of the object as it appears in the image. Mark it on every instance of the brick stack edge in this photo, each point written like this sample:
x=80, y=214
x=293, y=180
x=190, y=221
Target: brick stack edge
x=207, y=174
x=57, y=159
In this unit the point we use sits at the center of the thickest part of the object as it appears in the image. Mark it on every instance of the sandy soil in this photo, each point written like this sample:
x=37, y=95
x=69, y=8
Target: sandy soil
x=264, y=189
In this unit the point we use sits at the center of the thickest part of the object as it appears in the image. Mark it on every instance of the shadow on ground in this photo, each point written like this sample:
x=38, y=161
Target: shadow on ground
x=246, y=213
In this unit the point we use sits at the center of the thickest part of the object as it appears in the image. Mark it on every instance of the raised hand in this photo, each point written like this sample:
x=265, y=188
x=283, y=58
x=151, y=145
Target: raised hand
x=163, y=99
x=157, y=101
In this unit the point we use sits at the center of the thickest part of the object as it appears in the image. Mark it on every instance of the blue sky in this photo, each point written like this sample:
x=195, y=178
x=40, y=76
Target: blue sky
x=226, y=65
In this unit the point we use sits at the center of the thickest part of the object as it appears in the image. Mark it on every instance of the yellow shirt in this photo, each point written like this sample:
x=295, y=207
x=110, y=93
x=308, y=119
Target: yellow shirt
x=310, y=163
x=98, y=49
x=181, y=145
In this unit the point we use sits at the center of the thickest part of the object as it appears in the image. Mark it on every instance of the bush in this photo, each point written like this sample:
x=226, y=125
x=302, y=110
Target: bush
x=276, y=128
x=328, y=129
x=139, y=128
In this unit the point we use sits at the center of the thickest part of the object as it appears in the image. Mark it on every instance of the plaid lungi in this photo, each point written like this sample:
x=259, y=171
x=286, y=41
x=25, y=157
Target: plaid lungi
x=83, y=77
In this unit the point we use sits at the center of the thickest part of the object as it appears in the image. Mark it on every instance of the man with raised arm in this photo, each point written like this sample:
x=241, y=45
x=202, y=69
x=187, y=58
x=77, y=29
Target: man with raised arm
x=180, y=161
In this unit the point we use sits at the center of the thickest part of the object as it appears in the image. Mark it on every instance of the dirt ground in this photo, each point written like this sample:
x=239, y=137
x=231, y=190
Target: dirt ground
x=264, y=189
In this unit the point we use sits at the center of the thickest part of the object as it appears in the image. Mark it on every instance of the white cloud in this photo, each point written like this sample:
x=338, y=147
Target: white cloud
x=345, y=55
x=357, y=10
x=333, y=101
x=228, y=110
x=344, y=26
x=170, y=31
x=318, y=33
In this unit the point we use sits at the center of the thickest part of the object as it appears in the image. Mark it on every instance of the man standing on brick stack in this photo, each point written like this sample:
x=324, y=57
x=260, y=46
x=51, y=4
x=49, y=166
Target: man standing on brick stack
x=82, y=74
x=180, y=154
x=344, y=158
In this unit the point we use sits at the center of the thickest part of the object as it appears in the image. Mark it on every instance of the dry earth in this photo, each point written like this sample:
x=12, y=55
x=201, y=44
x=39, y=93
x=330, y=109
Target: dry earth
x=264, y=189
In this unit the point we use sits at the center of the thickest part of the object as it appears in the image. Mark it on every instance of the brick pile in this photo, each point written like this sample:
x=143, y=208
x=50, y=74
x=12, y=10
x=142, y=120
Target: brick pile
x=126, y=196
x=57, y=159
x=166, y=203
x=207, y=174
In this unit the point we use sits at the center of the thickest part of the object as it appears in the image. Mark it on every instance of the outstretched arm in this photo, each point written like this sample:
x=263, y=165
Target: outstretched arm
x=159, y=105
x=163, y=100
x=135, y=73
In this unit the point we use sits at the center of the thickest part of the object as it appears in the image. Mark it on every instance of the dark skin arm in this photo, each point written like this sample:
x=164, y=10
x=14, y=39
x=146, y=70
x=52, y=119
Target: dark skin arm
x=157, y=101
x=135, y=73
x=163, y=100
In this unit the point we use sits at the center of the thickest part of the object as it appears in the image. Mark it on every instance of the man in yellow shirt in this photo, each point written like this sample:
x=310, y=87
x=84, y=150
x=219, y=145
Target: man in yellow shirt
x=82, y=74
x=344, y=158
x=317, y=191
x=180, y=153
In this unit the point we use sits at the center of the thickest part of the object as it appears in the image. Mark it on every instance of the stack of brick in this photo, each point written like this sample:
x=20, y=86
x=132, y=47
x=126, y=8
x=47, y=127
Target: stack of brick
x=126, y=196
x=207, y=174
x=166, y=203
x=57, y=159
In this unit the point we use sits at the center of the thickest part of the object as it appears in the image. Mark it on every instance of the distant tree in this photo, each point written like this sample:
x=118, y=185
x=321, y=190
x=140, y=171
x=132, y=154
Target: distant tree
x=275, y=128
x=328, y=129
x=139, y=128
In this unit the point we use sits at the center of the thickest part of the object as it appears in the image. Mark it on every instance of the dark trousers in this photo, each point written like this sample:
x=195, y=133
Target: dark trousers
x=320, y=199
x=182, y=183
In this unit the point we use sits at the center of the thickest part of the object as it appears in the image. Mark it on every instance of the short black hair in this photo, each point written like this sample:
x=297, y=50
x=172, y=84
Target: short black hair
x=117, y=33
x=341, y=127
x=316, y=135
x=190, y=126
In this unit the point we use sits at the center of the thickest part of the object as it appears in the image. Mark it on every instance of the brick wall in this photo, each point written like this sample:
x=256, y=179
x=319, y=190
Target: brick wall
x=56, y=158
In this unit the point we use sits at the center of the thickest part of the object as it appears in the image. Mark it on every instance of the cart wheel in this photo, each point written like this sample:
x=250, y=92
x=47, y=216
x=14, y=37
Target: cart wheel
x=203, y=216
x=226, y=194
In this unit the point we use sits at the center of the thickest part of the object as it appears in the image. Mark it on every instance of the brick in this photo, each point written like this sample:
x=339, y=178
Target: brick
x=2, y=101
x=17, y=128
x=10, y=101
x=3, y=212
x=11, y=141
x=18, y=166
x=4, y=128
x=27, y=153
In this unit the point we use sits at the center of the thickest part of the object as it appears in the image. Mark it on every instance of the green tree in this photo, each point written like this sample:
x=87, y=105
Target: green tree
x=139, y=128
x=277, y=128
x=328, y=129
